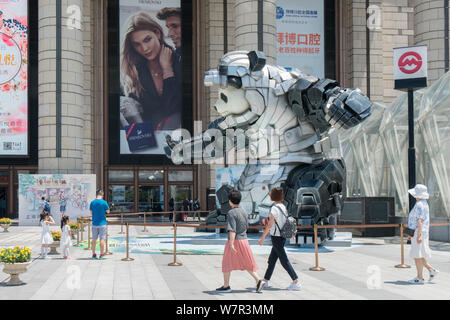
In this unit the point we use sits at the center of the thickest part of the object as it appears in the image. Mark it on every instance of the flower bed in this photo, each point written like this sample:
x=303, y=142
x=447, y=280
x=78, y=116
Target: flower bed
x=56, y=235
x=74, y=226
x=16, y=255
x=5, y=221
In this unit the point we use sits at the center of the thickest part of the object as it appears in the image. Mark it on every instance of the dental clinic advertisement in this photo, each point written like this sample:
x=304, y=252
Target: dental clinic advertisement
x=300, y=36
x=150, y=74
x=13, y=78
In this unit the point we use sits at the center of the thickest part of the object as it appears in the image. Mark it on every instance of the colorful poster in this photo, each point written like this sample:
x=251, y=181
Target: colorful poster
x=67, y=193
x=13, y=78
x=150, y=74
x=300, y=36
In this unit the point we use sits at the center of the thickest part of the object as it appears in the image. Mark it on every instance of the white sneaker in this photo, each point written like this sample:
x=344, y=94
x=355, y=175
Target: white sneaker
x=267, y=285
x=416, y=280
x=433, y=274
x=295, y=286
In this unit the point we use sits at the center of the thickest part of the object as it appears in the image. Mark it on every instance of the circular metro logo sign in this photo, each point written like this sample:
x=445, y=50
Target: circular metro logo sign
x=410, y=62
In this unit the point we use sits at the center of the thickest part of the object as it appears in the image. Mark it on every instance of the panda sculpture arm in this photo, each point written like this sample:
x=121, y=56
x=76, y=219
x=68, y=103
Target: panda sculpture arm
x=325, y=104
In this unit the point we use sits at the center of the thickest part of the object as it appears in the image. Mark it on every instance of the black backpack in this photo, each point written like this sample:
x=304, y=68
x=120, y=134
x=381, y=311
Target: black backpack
x=289, y=228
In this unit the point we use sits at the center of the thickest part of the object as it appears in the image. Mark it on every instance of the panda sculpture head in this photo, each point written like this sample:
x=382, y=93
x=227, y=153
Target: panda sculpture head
x=229, y=76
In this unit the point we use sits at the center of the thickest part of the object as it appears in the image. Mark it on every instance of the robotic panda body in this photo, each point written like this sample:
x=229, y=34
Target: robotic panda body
x=300, y=109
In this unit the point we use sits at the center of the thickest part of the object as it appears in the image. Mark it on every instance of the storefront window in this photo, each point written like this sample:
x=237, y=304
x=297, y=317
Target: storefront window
x=180, y=176
x=178, y=194
x=121, y=176
x=151, y=198
x=4, y=176
x=121, y=198
x=151, y=176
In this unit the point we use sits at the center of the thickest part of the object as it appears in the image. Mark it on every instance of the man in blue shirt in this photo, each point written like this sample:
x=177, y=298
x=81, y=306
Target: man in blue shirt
x=99, y=208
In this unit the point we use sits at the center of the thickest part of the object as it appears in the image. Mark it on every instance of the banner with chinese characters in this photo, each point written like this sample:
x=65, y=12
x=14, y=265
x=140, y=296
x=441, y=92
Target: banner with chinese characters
x=13, y=78
x=300, y=36
x=68, y=194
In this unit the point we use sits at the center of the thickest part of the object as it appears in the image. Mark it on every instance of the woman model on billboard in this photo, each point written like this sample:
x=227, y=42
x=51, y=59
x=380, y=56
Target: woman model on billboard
x=150, y=75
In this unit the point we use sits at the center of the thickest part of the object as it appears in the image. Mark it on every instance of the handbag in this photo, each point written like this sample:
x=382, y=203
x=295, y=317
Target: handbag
x=140, y=136
x=409, y=232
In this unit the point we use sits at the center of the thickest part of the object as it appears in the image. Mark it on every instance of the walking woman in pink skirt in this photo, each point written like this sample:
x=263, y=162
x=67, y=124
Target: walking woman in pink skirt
x=237, y=255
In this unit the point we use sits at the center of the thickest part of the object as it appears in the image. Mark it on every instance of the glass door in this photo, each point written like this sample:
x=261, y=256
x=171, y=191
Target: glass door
x=3, y=199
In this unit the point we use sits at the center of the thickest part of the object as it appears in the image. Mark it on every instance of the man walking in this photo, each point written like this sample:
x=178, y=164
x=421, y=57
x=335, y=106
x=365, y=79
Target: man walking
x=99, y=208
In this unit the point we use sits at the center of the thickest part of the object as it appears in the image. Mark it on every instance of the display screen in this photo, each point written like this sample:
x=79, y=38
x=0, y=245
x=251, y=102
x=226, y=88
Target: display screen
x=151, y=97
x=13, y=78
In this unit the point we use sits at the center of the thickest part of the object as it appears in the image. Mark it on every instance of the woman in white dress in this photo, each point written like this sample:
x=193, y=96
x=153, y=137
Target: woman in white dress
x=46, y=236
x=66, y=237
x=419, y=221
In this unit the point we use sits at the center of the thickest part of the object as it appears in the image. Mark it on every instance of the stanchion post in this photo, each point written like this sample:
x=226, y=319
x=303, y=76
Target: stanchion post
x=107, y=246
x=316, y=245
x=121, y=226
x=175, y=263
x=127, y=257
x=145, y=224
x=402, y=265
x=81, y=229
x=89, y=237
x=78, y=233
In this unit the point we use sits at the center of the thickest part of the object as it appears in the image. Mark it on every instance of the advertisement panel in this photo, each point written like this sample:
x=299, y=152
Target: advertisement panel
x=300, y=36
x=14, y=78
x=68, y=193
x=150, y=74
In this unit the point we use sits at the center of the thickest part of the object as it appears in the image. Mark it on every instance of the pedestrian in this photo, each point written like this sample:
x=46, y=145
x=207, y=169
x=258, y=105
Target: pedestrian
x=171, y=208
x=99, y=208
x=46, y=236
x=185, y=208
x=277, y=219
x=419, y=221
x=66, y=238
x=237, y=254
x=196, y=207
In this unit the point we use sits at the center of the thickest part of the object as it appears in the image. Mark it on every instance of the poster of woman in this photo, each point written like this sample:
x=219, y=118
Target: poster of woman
x=150, y=74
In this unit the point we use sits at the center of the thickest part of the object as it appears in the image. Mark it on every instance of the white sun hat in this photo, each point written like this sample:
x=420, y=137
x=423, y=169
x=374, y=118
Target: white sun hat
x=420, y=191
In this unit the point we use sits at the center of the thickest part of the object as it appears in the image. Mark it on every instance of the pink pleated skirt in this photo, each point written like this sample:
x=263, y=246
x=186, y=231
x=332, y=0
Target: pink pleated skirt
x=241, y=260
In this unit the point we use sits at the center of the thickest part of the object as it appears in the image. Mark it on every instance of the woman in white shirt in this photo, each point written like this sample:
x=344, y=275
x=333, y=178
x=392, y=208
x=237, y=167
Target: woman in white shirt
x=278, y=217
x=419, y=220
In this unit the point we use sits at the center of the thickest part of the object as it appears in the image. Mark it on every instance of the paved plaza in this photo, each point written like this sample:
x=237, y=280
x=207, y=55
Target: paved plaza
x=364, y=271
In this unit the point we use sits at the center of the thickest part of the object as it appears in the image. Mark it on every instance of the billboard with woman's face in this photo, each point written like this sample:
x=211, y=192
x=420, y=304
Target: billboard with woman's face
x=150, y=74
x=14, y=78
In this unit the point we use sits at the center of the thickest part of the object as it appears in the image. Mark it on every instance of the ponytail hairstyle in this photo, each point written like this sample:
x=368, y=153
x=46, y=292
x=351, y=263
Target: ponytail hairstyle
x=64, y=221
x=43, y=215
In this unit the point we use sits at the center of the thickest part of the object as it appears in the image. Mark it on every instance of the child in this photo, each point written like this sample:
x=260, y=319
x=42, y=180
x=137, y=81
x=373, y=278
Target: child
x=66, y=237
x=46, y=237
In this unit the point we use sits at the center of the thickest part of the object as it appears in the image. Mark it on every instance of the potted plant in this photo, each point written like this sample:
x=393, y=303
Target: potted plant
x=56, y=235
x=74, y=227
x=15, y=262
x=5, y=223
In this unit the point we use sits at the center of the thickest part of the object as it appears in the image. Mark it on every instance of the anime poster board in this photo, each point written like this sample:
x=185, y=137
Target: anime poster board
x=14, y=78
x=301, y=36
x=149, y=112
x=229, y=175
x=74, y=191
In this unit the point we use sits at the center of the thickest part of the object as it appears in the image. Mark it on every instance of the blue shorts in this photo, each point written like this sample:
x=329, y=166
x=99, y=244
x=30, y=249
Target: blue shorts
x=62, y=208
x=98, y=232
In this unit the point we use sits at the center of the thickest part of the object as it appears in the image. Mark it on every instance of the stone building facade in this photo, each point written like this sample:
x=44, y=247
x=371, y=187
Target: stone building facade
x=364, y=59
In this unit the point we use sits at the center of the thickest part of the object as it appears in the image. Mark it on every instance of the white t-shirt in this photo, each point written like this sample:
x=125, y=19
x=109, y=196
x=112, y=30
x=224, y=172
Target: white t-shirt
x=280, y=218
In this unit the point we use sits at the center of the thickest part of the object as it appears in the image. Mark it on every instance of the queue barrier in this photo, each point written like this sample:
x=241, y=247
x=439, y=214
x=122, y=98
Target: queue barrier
x=315, y=228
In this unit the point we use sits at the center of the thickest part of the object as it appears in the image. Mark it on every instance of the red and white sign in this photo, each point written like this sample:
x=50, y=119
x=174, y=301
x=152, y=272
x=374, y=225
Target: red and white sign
x=410, y=63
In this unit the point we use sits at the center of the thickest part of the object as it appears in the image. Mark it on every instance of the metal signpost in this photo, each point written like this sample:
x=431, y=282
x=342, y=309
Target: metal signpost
x=410, y=73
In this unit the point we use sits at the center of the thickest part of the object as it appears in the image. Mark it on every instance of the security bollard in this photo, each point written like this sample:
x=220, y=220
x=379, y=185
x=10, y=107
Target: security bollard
x=127, y=257
x=402, y=265
x=316, y=245
x=175, y=263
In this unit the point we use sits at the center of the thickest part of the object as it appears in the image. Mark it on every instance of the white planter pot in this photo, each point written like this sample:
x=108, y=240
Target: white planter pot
x=5, y=227
x=53, y=247
x=14, y=270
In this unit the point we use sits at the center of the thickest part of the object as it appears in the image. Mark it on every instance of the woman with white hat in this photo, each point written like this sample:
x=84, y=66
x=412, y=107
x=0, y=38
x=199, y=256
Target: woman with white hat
x=419, y=221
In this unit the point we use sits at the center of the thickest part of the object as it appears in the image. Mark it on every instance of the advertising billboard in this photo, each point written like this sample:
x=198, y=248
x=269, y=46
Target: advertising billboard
x=151, y=97
x=14, y=78
x=301, y=36
x=68, y=193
